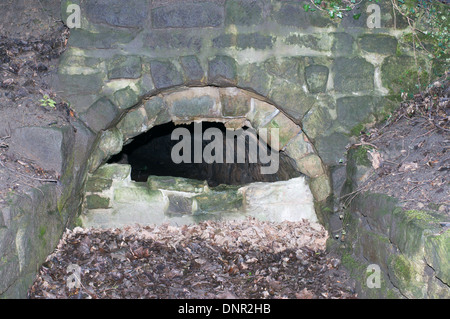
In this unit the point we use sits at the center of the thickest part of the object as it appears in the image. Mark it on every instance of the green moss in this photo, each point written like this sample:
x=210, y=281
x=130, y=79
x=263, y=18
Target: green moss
x=356, y=130
x=42, y=232
x=422, y=217
x=402, y=268
x=359, y=155
x=78, y=222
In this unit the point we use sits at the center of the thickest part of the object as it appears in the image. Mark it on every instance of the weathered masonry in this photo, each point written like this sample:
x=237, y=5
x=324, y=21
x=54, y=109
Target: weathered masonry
x=137, y=65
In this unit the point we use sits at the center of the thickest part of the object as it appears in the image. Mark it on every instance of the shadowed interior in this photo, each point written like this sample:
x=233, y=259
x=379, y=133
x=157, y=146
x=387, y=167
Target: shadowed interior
x=150, y=154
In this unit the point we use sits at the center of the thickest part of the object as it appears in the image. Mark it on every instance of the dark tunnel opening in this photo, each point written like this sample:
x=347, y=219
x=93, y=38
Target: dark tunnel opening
x=151, y=154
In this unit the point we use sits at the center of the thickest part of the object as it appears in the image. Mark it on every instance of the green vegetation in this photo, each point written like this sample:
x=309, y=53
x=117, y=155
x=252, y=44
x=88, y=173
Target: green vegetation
x=334, y=8
x=428, y=22
x=47, y=101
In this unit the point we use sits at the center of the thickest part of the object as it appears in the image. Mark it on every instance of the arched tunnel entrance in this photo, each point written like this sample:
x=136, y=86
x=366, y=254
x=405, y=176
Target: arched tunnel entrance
x=151, y=154
x=203, y=153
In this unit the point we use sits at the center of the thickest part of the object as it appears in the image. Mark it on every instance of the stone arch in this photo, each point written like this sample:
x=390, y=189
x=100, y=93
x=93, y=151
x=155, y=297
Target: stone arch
x=231, y=106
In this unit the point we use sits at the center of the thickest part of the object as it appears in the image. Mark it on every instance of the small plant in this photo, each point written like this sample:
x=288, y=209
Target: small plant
x=47, y=101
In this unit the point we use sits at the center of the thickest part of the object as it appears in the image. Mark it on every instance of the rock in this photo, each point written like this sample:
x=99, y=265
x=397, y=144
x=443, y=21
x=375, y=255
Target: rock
x=187, y=15
x=378, y=43
x=316, y=78
x=320, y=188
x=255, y=41
x=193, y=71
x=263, y=200
x=100, y=115
x=177, y=184
x=124, y=67
x=353, y=75
x=165, y=74
x=116, y=13
x=45, y=146
x=352, y=111
x=241, y=12
x=222, y=70
x=97, y=202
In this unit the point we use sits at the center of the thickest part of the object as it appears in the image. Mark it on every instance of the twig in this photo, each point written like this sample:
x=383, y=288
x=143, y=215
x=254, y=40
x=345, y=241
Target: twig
x=45, y=180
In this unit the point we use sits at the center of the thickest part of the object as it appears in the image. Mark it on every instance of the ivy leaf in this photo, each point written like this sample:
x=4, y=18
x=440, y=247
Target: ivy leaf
x=306, y=7
x=356, y=16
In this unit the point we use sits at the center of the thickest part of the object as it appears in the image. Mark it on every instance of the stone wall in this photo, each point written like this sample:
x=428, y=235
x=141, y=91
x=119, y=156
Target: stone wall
x=114, y=200
x=329, y=78
x=411, y=247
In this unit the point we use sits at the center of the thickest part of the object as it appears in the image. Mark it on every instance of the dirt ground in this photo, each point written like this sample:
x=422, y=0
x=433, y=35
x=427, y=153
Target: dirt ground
x=411, y=151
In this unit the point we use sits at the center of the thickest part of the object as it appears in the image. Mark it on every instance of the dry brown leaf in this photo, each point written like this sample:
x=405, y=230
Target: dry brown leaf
x=375, y=159
x=304, y=294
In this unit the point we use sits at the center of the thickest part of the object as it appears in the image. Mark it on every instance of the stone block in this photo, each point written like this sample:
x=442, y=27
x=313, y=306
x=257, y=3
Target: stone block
x=353, y=75
x=193, y=71
x=291, y=14
x=177, y=184
x=46, y=146
x=176, y=39
x=261, y=113
x=133, y=123
x=400, y=74
x=194, y=103
x=286, y=130
x=157, y=111
x=353, y=110
x=255, y=41
x=124, y=67
x=316, y=42
x=241, y=12
x=342, y=44
x=224, y=41
x=222, y=70
x=253, y=77
x=188, y=15
x=288, y=69
x=111, y=142
x=80, y=84
x=316, y=78
x=291, y=98
x=114, y=171
x=100, y=115
x=125, y=98
x=118, y=13
x=98, y=185
x=298, y=147
x=320, y=188
x=318, y=120
x=220, y=199
x=97, y=202
x=378, y=43
x=106, y=39
x=165, y=74
x=234, y=102
x=332, y=147
x=311, y=166
x=135, y=194
x=179, y=205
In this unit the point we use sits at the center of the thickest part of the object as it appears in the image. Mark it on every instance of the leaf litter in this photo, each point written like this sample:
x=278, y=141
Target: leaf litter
x=248, y=259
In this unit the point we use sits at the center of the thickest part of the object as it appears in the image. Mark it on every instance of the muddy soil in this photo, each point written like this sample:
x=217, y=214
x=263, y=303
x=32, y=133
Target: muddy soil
x=411, y=151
